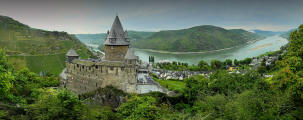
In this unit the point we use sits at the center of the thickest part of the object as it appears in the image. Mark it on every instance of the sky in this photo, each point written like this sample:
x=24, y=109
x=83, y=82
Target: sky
x=96, y=16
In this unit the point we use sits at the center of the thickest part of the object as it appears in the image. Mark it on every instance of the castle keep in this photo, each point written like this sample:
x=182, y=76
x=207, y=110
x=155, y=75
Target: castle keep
x=118, y=68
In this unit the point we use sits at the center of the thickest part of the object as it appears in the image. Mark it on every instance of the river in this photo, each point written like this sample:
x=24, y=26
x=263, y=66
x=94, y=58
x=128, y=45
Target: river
x=254, y=49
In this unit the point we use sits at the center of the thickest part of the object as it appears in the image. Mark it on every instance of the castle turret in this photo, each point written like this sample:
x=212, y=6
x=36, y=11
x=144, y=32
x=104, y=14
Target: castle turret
x=71, y=55
x=116, y=43
x=130, y=57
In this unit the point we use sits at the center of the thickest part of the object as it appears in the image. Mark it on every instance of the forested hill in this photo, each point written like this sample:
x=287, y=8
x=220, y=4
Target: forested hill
x=37, y=49
x=99, y=38
x=199, y=38
x=267, y=33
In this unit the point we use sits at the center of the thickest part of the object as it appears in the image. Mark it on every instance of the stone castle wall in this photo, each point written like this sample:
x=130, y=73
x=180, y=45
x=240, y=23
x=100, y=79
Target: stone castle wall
x=83, y=78
x=115, y=53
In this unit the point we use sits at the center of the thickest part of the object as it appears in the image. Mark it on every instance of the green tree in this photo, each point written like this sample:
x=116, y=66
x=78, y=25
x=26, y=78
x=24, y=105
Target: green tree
x=139, y=108
x=55, y=104
x=236, y=62
x=196, y=87
x=203, y=65
x=25, y=82
x=3, y=61
x=6, y=79
x=262, y=69
x=216, y=64
x=246, y=61
x=228, y=62
x=211, y=106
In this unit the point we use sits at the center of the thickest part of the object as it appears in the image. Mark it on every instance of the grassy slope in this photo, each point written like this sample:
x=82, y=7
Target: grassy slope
x=49, y=63
x=173, y=85
x=37, y=49
x=200, y=38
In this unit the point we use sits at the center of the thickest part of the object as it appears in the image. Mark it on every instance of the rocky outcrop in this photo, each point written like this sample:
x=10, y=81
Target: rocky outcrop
x=108, y=96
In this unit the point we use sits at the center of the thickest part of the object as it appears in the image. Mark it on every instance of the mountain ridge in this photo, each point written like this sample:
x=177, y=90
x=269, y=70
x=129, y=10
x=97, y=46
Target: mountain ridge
x=196, y=39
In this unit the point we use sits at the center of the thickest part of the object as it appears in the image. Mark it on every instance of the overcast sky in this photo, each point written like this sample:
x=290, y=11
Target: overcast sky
x=96, y=16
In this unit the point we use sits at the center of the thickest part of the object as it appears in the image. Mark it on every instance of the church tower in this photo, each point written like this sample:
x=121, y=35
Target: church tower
x=117, y=42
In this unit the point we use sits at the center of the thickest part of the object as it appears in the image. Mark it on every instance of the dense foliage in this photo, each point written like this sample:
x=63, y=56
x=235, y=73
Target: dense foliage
x=26, y=96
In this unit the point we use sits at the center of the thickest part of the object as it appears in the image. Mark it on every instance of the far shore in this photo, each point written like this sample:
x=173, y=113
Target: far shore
x=161, y=51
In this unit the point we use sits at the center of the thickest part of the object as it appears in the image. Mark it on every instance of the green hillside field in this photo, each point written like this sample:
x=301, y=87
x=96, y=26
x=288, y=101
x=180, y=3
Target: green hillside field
x=37, y=49
x=49, y=63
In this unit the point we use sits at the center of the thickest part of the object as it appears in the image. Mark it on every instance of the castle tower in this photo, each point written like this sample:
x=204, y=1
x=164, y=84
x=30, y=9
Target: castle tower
x=71, y=55
x=116, y=43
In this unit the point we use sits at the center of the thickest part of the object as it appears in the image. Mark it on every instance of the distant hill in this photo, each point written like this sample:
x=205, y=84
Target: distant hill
x=37, y=49
x=287, y=33
x=99, y=38
x=92, y=38
x=267, y=33
x=196, y=39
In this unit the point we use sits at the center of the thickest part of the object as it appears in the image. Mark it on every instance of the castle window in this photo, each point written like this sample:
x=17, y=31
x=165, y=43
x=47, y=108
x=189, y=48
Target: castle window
x=111, y=68
x=122, y=68
x=77, y=65
x=96, y=84
x=96, y=67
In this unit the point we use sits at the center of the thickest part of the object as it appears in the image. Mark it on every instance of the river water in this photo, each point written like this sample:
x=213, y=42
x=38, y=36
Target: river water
x=254, y=49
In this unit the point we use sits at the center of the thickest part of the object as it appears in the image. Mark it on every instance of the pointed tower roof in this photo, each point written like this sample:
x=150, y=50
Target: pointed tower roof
x=72, y=52
x=130, y=54
x=116, y=35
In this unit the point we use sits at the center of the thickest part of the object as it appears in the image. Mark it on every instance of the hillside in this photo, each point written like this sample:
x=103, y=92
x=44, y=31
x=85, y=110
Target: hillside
x=37, y=49
x=99, y=38
x=287, y=33
x=266, y=33
x=195, y=39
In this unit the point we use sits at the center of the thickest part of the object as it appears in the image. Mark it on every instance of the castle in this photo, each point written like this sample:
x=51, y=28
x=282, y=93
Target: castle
x=118, y=68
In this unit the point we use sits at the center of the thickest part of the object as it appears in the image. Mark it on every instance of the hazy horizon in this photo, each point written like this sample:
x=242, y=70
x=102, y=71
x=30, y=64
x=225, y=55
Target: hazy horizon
x=96, y=16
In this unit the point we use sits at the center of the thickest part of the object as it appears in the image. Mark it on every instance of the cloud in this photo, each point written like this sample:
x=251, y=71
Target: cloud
x=95, y=16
